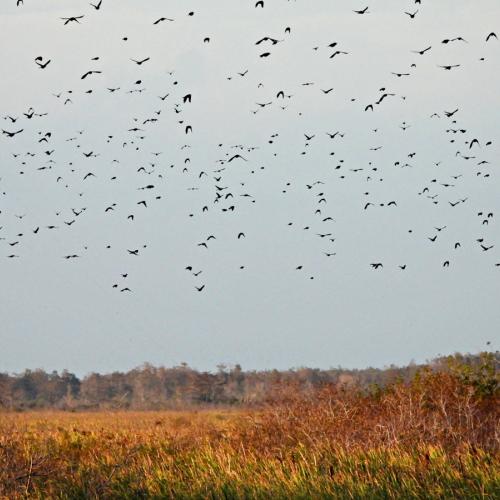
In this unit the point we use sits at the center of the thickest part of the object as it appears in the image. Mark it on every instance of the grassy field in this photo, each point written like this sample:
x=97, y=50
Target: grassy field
x=435, y=438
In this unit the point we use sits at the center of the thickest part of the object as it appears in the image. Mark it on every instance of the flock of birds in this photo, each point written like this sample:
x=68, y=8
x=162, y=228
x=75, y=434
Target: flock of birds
x=224, y=197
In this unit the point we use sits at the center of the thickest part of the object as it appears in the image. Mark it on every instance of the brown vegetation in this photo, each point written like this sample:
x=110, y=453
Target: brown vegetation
x=436, y=436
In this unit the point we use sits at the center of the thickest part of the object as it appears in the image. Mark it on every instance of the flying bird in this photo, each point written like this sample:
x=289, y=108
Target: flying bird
x=141, y=61
x=74, y=19
x=162, y=19
x=88, y=73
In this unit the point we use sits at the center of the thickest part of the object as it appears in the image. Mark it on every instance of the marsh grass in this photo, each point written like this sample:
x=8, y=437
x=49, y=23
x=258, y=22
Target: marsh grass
x=436, y=437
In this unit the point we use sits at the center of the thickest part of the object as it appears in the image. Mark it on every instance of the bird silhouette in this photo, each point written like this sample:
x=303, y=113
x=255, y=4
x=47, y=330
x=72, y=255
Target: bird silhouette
x=140, y=62
x=74, y=19
x=162, y=19
x=88, y=73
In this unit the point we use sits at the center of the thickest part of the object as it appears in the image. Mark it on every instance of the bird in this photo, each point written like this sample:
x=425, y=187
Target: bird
x=486, y=248
x=449, y=67
x=11, y=134
x=139, y=63
x=490, y=36
x=363, y=11
x=41, y=65
x=235, y=157
x=74, y=19
x=88, y=73
x=97, y=6
x=273, y=41
x=161, y=19
x=377, y=265
x=422, y=52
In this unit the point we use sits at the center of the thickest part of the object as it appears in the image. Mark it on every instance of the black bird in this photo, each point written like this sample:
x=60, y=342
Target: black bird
x=41, y=65
x=363, y=11
x=11, y=134
x=377, y=265
x=142, y=61
x=422, y=52
x=162, y=19
x=98, y=6
x=490, y=36
x=236, y=157
x=274, y=41
x=73, y=19
x=338, y=52
x=92, y=72
x=449, y=67
x=383, y=97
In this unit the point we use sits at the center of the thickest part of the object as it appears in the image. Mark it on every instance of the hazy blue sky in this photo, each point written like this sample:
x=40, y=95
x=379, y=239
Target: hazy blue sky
x=59, y=313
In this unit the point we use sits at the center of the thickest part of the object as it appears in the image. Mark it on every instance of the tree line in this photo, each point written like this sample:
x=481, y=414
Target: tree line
x=152, y=388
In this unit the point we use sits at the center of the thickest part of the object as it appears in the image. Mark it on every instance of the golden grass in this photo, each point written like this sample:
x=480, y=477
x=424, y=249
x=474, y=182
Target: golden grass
x=433, y=439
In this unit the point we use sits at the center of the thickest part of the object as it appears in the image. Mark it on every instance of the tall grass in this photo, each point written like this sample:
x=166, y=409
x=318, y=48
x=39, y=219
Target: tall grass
x=437, y=437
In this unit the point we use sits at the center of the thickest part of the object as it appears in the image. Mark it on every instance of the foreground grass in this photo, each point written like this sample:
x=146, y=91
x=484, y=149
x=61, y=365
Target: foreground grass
x=436, y=438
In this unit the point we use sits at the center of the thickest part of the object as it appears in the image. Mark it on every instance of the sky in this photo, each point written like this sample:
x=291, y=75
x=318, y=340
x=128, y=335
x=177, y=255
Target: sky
x=271, y=298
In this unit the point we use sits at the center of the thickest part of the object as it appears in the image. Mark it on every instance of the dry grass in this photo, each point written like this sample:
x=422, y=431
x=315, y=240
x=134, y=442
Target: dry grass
x=436, y=438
